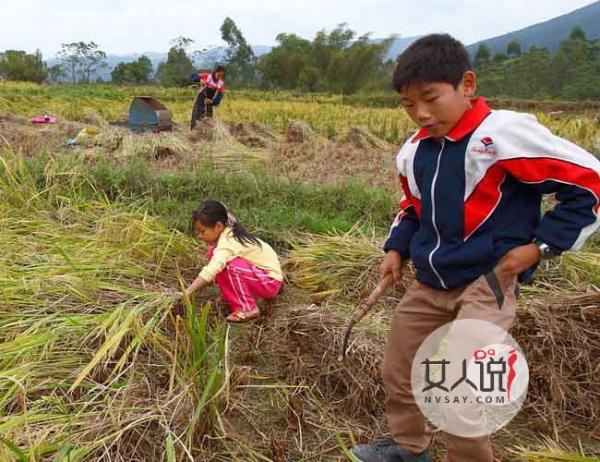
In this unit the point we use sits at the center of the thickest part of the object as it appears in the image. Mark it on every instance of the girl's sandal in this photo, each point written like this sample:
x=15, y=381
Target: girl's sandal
x=243, y=316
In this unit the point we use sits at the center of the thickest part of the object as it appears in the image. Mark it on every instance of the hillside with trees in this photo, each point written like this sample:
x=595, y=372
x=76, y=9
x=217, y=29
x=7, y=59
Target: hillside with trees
x=335, y=61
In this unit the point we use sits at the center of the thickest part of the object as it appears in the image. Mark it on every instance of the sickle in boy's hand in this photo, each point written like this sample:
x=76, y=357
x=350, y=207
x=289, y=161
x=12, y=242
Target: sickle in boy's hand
x=365, y=308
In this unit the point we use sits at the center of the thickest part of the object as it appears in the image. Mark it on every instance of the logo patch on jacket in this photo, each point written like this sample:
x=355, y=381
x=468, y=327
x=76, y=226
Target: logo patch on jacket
x=486, y=140
x=486, y=149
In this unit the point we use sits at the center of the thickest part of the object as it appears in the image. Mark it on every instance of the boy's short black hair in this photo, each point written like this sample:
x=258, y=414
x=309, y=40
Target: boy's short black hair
x=433, y=58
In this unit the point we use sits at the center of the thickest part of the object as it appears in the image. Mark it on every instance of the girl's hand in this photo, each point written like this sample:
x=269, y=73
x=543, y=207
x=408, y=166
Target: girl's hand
x=208, y=101
x=518, y=260
x=198, y=284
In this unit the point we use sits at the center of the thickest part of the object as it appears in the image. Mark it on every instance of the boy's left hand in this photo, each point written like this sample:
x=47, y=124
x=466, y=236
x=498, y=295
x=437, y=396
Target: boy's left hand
x=518, y=260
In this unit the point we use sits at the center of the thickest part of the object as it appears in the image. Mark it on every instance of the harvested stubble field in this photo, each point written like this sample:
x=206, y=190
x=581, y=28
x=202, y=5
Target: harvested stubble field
x=95, y=244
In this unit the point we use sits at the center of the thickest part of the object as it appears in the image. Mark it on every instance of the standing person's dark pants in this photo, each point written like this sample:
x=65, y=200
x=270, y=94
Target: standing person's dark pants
x=200, y=109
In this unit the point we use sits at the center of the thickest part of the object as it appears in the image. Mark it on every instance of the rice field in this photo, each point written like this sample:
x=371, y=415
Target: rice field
x=95, y=248
x=324, y=113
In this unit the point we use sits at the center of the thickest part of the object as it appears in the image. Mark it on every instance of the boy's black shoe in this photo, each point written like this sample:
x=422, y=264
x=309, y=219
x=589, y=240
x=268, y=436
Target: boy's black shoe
x=387, y=450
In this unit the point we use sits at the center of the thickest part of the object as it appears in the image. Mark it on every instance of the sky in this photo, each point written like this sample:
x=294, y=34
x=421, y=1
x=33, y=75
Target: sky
x=134, y=26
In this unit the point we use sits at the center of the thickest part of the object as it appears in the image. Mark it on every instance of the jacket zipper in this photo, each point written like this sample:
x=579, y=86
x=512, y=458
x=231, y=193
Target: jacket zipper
x=439, y=238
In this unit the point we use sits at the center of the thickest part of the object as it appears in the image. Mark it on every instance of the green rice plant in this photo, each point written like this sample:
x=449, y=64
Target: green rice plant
x=93, y=362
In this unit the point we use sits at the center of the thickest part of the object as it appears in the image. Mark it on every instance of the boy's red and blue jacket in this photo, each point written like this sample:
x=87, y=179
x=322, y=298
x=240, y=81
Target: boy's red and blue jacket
x=474, y=195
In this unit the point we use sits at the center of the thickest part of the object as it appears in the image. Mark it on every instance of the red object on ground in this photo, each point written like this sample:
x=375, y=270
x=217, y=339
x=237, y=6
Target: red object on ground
x=43, y=119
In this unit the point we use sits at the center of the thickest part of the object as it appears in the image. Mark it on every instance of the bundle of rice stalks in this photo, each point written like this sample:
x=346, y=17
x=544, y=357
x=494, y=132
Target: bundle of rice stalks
x=560, y=337
x=336, y=263
x=551, y=451
x=581, y=267
x=109, y=138
x=222, y=150
x=153, y=146
x=93, y=364
x=212, y=130
x=92, y=117
x=254, y=134
x=299, y=132
x=307, y=347
x=361, y=138
x=220, y=134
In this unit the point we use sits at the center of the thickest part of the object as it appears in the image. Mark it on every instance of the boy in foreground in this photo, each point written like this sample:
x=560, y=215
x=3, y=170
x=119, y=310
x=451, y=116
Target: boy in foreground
x=473, y=181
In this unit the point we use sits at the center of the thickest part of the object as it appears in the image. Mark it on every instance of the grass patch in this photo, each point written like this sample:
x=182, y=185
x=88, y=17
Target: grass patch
x=269, y=206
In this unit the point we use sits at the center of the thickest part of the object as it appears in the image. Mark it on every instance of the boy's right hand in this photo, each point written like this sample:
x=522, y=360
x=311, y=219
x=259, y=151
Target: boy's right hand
x=392, y=263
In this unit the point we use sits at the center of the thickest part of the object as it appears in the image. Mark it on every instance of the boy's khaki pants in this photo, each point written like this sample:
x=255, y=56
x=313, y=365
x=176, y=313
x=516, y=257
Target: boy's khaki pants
x=421, y=311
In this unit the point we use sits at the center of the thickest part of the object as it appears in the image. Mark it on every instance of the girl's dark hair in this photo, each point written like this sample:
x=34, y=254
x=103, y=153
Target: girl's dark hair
x=220, y=68
x=212, y=212
x=433, y=58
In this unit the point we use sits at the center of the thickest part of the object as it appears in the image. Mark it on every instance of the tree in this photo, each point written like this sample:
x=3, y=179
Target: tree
x=567, y=63
x=19, y=65
x=283, y=65
x=328, y=47
x=70, y=60
x=177, y=69
x=585, y=84
x=573, y=72
x=482, y=56
x=93, y=59
x=55, y=73
x=333, y=61
x=182, y=43
x=81, y=59
x=310, y=79
x=240, y=59
x=137, y=72
x=513, y=49
x=577, y=33
x=499, y=57
x=527, y=76
x=356, y=65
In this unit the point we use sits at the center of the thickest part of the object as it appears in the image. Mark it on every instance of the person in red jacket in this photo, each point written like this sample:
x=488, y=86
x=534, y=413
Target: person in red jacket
x=210, y=94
